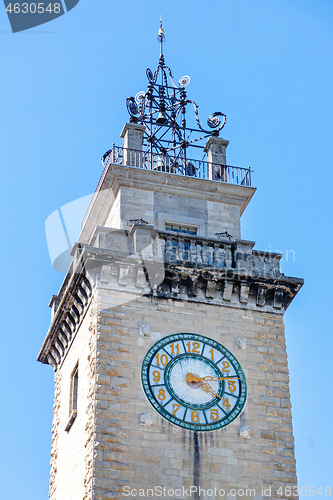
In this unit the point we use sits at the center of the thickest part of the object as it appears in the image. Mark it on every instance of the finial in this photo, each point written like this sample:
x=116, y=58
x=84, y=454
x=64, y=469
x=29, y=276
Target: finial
x=161, y=36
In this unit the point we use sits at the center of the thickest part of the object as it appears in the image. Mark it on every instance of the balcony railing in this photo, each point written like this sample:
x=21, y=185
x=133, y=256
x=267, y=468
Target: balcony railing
x=199, y=169
x=143, y=243
x=192, y=250
x=196, y=250
x=192, y=168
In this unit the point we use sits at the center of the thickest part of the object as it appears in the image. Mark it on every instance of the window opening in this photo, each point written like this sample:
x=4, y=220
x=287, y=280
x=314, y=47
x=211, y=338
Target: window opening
x=73, y=396
x=177, y=228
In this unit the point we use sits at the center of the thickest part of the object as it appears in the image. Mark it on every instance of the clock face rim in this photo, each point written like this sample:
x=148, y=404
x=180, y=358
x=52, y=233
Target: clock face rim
x=241, y=399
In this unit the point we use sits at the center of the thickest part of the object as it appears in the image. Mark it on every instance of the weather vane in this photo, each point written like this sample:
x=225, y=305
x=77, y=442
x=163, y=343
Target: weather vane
x=161, y=36
x=162, y=109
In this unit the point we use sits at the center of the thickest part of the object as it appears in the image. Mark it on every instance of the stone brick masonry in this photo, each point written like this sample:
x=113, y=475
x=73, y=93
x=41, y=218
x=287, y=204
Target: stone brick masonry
x=72, y=451
x=163, y=454
x=107, y=448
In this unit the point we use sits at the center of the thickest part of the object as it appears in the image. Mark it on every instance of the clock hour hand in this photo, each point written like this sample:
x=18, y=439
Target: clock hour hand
x=194, y=378
x=202, y=383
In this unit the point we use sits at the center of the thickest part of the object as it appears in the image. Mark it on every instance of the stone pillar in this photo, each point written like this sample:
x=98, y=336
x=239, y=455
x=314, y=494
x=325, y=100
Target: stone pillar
x=216, y=157
x=142, y=238
x=54, y=304
x=132, y=134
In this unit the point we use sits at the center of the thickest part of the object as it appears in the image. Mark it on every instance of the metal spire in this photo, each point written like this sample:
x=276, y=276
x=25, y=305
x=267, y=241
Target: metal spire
x=162, y=109
x=161, y=36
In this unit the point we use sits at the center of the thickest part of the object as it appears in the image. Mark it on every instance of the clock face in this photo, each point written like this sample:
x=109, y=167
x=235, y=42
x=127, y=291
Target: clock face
x=194, y=382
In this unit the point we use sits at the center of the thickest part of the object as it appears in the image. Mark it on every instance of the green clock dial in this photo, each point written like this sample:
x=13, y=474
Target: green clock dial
x=194, y=382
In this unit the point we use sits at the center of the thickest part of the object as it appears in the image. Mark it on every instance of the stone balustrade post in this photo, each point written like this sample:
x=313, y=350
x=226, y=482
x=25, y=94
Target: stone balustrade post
x=132, y=134
x=215, y=149
x=54, y=304
x=142, y=238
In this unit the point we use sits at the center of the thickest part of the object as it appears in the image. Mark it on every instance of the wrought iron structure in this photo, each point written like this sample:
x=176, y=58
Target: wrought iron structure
x=196, y=168
x=224, y=235
x=162, y=109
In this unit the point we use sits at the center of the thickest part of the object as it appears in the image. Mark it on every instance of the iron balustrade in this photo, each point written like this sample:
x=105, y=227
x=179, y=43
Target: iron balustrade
x=192, y=168
x=158, y=162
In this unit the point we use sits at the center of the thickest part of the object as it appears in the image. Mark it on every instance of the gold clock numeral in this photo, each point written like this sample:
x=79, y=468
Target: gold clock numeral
x=214, y=414
x=173, y=348
x=177, y=408
x=195, y=417
x=225, y=365
x=226, y=404
x=164, y=360
x=195, y=347
x=212, y=354
x=161, y=394
x=156, y=376
x=232, y=385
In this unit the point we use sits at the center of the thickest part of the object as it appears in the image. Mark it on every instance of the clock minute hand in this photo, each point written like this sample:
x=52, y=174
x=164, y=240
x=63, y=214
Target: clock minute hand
x=203, y=385
x=194, y=378
x=216, y=379
x=207, y=388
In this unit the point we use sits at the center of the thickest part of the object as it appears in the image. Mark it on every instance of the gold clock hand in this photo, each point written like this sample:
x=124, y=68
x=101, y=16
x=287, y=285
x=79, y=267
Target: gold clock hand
x=203, y=385
x=216, y=379
x=207, y=388
x=191, y=378
x=194, y=378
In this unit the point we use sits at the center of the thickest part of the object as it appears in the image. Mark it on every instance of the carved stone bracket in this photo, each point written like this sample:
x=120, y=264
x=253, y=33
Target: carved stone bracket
x=210, y=289
x=230, y=288
x=278, y=299
x=261, y=296
x=244, y=294
x=66, y=321
x=227, y=292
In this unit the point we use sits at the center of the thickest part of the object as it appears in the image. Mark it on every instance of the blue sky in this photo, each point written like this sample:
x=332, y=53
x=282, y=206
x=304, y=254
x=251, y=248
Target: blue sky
x=266, y=64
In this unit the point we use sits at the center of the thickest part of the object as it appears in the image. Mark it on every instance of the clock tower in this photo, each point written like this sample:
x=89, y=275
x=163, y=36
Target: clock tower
x=167, y=337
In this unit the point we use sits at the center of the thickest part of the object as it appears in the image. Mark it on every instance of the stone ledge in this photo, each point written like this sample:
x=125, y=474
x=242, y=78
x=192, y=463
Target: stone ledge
x=188, y=281
x=117, y=176
x=72, y=303
x=138, y=274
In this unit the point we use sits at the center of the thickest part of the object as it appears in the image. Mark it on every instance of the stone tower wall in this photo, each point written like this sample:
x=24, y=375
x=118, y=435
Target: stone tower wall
x=72, y=450
x=125, y=291
x=157, y=208
x=133, y=455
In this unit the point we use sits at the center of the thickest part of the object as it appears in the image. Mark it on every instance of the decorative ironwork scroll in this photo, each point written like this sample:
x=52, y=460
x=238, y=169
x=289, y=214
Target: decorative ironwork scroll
x=162, y=109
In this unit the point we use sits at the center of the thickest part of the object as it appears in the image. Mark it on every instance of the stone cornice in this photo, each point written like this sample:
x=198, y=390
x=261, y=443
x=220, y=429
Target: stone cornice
x=152, y=263
x=68, y=309
x=138, y=274
x=229, y=287
x=120, y=175
x=147, y=275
